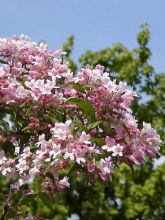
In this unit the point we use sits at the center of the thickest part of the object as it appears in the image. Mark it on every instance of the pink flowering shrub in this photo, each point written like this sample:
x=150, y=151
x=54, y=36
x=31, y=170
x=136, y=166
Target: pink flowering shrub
x=60, y=119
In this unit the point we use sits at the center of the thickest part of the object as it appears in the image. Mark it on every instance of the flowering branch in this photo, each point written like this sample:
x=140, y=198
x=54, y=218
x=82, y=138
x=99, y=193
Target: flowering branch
x=60, y=120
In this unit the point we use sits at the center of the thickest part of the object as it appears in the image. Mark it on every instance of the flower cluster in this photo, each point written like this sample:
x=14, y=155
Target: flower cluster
x=81, y=120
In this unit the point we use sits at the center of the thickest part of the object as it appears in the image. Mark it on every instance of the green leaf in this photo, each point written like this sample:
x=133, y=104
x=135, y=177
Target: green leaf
x=4, y=124
x=85, y=106
x=127, y=139
x=107, y=129
x=28, y=198
x=60, y=116
x=46, y=199
x=98, y=140
x=16, y=196
x=79, y=87
x=24, y=139
x=127, y=130
x=26, y=129
x=93, y=125
x=8, y=147
x=74, y=167
x=11, y=214
x=75, y=125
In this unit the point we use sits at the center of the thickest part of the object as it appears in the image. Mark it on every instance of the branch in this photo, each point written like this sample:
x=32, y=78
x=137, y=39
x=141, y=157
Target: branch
x=3, y=61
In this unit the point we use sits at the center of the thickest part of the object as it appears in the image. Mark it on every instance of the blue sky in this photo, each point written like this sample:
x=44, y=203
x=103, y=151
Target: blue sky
x=96, y=24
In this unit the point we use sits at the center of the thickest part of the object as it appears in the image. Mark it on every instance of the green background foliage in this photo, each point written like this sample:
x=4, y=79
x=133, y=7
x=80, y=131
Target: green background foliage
x=137, y=194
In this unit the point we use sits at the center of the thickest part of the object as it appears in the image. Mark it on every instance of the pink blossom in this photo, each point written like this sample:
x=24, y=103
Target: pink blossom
x=61, y=131
x=39, y=85
x=29, y=217
x=91, y=167
x=55, y=150
x=63, y=183
x=69, y=154
x=21, y=166
x=84, y=138
x=117, y=150
x=105, y=167
x=120, y=130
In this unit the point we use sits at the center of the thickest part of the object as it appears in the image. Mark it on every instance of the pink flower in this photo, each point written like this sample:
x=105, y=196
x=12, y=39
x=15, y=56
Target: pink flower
x=29, y=217
x=62, y=131
x=55, y=150
x=84, y=138
x=120, y=130
x=21, y=166
x=117, y=150
x=2, y=157
x=138, y=157
x=26, y=153
x=80, y=156
x=69, y=155
x=105, y=167
x=70, y=92
x=91, y=167
x=128, y=98
x=109, y=141
x=63, y=183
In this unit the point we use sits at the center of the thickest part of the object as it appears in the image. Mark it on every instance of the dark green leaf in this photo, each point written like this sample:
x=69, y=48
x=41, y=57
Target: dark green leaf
x=85, y=106
x=79, y=87
x=46, y=199
x=98, y=140
x=28, y=198
x=93, y=125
